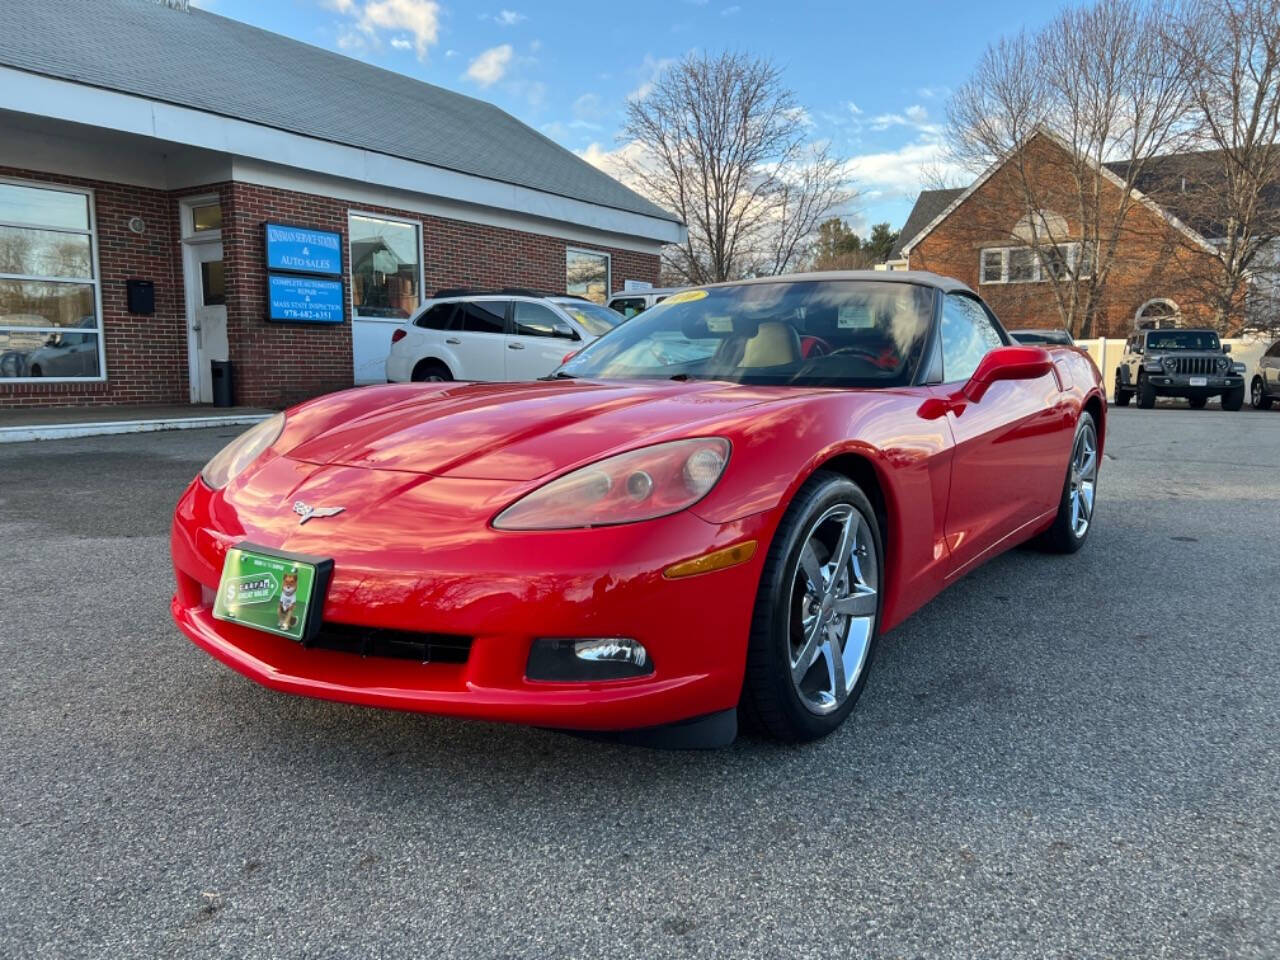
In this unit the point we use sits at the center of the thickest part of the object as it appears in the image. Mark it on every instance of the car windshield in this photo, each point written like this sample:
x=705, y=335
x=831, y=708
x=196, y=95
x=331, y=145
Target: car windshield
x=592, y=317
x=855, y=333
x=1183, y=340
x=1040, y=336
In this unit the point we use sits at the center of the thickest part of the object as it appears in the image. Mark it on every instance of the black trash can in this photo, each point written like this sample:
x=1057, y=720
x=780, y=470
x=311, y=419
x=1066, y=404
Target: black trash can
x=223, y=392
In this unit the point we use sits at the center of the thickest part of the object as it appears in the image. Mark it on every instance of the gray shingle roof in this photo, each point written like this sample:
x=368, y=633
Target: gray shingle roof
x=929, y=204
x=211, y=63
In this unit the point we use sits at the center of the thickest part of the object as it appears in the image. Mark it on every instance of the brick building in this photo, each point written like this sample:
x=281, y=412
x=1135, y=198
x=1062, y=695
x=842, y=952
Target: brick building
x=139, y=186
x=985, y=236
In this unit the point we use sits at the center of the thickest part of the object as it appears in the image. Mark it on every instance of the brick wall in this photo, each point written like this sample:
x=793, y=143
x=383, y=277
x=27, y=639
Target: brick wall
x=275, y=364
x=1153, y=260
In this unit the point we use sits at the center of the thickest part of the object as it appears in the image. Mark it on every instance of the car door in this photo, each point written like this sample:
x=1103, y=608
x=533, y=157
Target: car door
x=476, y=337
x=1011, y=447
x=1270, y=365
x=538, y=341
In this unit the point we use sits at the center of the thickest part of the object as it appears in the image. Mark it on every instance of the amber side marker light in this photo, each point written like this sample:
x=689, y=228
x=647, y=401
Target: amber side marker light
x=716, y=560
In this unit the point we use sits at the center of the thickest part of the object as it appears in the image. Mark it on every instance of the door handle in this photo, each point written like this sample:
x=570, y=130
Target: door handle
x=196, y=327
x=453, y=340
x=515, y=346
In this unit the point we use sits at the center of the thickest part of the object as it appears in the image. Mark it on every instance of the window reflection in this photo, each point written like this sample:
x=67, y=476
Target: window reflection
x=385, y=267
x=587, y=275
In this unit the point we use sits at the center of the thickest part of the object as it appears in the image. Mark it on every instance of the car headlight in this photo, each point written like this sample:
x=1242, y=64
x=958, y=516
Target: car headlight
x=639, y=485
x=241, y=452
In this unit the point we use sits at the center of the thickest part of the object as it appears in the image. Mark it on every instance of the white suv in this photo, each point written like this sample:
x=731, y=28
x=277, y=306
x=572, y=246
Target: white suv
x=494, y=336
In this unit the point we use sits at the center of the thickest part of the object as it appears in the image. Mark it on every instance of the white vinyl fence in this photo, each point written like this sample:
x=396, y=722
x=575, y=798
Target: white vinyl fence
x=1107, y=353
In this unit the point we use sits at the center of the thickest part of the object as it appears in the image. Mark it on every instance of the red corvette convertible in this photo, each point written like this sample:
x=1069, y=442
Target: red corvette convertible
x=711, y=512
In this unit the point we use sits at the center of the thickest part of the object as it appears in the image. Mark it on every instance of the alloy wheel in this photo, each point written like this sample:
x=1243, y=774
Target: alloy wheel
x=1084, y=478
x=833, y=603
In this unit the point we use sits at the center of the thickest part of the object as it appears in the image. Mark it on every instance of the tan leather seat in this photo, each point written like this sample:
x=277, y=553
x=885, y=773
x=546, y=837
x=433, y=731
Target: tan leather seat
x=775, y=344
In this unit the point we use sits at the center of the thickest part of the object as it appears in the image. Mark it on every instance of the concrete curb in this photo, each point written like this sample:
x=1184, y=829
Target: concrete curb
x=64, y=431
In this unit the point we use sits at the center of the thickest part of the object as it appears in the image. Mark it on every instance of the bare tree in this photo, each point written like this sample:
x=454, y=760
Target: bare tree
x=1233, y=50
x=1098, y=84
x=722, y=143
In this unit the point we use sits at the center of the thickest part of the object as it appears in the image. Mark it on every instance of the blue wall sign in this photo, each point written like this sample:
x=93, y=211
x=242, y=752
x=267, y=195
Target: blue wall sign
x=303, y=251
x=304, y=300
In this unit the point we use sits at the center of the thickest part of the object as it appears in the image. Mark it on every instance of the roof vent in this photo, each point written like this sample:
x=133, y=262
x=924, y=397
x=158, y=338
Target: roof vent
x=183, y=5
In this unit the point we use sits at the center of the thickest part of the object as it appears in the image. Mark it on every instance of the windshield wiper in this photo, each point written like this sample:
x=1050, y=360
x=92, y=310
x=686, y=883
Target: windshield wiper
x=560, y=375
x=682, y=377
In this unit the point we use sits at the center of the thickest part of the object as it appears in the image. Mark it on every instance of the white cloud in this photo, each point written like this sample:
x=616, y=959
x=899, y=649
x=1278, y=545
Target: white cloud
x=420, y=19
x=853, y=108
x=450, y=54
x=731, y=11
x=914, y=116
x=508, y=18
x=488, y=68
x=615, y=162
x=650, y=69
x=901, y=172
x=932, y=93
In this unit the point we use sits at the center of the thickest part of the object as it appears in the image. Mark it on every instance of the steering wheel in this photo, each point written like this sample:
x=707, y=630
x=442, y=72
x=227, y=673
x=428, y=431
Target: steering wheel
x=886, y=358
x=811, y=346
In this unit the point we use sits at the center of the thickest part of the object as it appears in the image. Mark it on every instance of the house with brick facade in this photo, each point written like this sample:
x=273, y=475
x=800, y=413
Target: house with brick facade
x=180, y=191
x=1164, y=256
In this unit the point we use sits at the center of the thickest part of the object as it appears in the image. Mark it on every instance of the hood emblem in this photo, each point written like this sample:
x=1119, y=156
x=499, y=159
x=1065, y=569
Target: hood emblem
x=305, y=511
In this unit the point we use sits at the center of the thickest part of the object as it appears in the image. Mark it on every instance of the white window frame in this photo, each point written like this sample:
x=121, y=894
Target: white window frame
x=608, y=268
x=95, y=281
x=1041, y=275
x=351, y=265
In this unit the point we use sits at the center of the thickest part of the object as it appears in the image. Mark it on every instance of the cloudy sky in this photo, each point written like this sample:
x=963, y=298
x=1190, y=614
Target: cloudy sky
x=873, y=77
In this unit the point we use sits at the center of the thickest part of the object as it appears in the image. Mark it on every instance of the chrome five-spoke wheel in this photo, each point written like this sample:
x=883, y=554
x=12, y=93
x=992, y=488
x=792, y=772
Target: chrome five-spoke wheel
x=817, y=614
x=1084, y=478
x=833, y=608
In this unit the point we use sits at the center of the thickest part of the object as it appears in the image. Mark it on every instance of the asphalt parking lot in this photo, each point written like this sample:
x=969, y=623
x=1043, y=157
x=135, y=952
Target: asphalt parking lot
x=1059, y=757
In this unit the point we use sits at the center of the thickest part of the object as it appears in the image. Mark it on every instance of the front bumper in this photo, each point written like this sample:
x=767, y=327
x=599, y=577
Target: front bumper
x=501, y=589
x=1181, y=386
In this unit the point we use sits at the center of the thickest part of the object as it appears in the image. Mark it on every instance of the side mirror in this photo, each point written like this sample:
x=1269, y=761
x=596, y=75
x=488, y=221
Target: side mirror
x=1226, y=348
x=1083, y=346
x=1007, y=363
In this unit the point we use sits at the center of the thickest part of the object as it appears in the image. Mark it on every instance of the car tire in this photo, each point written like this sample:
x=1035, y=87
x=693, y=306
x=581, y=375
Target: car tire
x=1122, y=396
x=1067, y=534
x=794, y=623
x=1146, y=394
x=1258, y=398
x=1233, y=400
x=431, y=371
x=1198, y=403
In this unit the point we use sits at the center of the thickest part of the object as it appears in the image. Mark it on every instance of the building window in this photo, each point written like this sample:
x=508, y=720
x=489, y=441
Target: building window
x=1027, y=265
x=587, y=275
x=50, y=314
x=206, y=216
x=386, y=267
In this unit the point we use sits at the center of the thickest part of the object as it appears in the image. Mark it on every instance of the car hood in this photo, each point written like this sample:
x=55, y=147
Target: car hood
x=520, y=431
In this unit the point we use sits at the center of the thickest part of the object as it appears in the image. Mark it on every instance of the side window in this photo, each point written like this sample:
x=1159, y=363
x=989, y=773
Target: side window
x=436, y=318
x=628, y=307
x=1275, y=350
x=967, y=335
x=481, y=316
x=538, y=320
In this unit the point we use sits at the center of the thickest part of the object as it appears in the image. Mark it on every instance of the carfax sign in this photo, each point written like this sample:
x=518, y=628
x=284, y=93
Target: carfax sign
x=300, y=250
x=266, y=592
x=304, y=299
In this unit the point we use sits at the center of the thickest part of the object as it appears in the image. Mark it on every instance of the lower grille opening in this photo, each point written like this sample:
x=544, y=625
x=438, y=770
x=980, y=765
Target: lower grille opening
x=394, y=644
